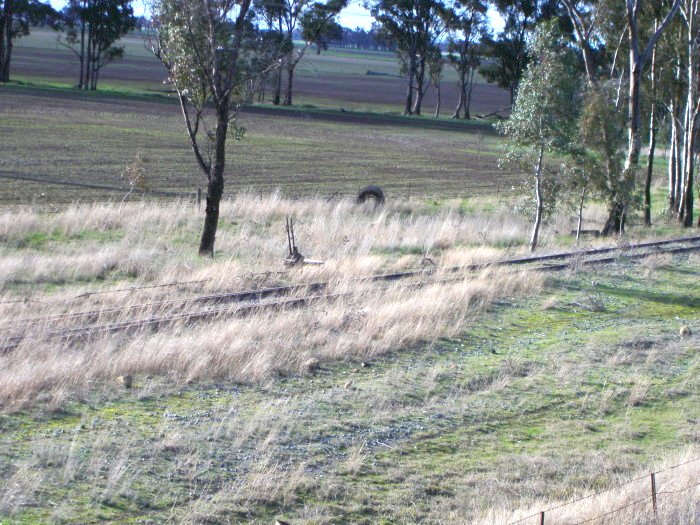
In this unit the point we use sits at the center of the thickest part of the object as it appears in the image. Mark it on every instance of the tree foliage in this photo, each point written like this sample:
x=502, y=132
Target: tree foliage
x=415, y=28
x=543, y=124
x=90, y=29
x=16, y=18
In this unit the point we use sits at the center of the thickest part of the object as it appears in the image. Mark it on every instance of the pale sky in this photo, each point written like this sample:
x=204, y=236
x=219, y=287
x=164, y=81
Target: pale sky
x=353, y=16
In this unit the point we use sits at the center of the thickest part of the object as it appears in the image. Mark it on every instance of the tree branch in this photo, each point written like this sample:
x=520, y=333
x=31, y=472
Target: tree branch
x=192, y=133
x=657, y=34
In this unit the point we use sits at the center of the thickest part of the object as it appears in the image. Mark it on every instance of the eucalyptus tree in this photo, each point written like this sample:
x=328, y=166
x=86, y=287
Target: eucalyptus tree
x=16, y=18
x=544, y=120
x=590, y=20
x=508, y=51
x=320, y=28
x=271, y=14
x=690, y=16
x=415, y=28
x=468, y=26
x=435, y=64
x=90, y=29
x=639, y=55
x=199, y=42
x=314, y=20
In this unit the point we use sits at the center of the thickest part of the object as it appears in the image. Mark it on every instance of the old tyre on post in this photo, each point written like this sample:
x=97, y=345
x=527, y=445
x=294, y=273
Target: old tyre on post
x=371, y=192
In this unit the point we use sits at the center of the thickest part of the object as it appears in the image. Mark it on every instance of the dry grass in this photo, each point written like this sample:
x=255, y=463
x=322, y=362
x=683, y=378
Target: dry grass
x=359, y=325
x=154, y=243
x=70, y=251
x=678, y=492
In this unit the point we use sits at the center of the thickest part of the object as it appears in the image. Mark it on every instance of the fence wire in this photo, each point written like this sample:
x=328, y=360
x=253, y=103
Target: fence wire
x=610, y=489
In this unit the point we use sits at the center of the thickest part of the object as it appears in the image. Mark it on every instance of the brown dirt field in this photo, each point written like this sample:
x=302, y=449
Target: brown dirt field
x=69, y=136
x=330, y=90
x=391, y=91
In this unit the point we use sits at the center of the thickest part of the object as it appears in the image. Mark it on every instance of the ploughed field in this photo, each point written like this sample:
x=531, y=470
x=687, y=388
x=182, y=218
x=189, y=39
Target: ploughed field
x=61, y=135
x=359, y=80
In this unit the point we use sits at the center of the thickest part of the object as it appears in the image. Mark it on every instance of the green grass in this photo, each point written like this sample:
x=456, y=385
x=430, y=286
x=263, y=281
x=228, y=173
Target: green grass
x=536, y=398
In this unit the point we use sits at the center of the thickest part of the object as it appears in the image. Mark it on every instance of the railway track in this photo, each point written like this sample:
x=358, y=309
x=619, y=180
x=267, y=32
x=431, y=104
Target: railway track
x=242, y=303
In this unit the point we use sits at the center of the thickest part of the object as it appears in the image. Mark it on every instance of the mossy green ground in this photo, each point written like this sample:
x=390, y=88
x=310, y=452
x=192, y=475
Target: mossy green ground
x=541, y=397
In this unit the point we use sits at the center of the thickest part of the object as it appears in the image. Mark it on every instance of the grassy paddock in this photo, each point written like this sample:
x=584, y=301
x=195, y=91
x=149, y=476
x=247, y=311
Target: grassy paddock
x=482, y=400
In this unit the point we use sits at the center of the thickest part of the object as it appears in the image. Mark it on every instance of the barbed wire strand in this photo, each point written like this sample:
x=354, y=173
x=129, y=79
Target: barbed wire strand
x=614, y=487
x=685, y=489
x=614, y=511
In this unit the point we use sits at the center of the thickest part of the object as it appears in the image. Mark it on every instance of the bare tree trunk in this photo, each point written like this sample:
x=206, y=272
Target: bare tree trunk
x=261, y=90
x=290, y=80
x=634, y=138
x=692, y=109
x=420, y=89
x=650, y=167
x=437, y=106
x=469, y=88
x=408, y=107
x=95, y=77
x=579, y=227
x=6, y=40
x=82, y=59
x=539, y=200
x=615, y=222
x=652, y=142
x=462, y=100
x=277, y=93
x=88, y=57
x=95, y=67
x=688, y=194
x=215, y=186
x=82, y=53
x=672, y=167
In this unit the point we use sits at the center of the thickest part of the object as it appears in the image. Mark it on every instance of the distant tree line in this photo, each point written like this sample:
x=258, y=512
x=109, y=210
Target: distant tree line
x=89, y=28
x=360, y=38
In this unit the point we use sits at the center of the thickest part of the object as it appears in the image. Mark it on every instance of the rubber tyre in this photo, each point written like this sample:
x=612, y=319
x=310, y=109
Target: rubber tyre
x=371, y=192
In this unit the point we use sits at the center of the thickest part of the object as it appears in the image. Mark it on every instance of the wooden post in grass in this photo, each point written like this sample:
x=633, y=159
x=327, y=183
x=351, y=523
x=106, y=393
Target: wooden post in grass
x=199, y=198
x=653, y=492
x=542, y=518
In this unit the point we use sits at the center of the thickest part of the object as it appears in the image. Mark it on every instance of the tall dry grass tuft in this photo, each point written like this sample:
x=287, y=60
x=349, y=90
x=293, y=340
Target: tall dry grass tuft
x=359, y=324
x=138, y=255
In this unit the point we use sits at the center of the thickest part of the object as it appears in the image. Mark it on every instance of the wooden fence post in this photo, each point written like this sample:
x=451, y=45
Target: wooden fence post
x=199, y=198
x=542, y=518
x=653, y=492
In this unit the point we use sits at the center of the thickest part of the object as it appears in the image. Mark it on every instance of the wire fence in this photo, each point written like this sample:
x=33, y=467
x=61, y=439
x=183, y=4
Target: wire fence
x=541, y=515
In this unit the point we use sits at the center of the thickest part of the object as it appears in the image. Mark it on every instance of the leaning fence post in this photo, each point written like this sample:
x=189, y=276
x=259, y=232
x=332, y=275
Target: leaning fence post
x=542, y=518
x=653, y=492
x=199, y=198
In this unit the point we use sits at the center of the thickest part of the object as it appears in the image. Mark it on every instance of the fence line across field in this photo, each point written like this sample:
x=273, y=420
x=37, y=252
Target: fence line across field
x=653, y=495
x=197, y=195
